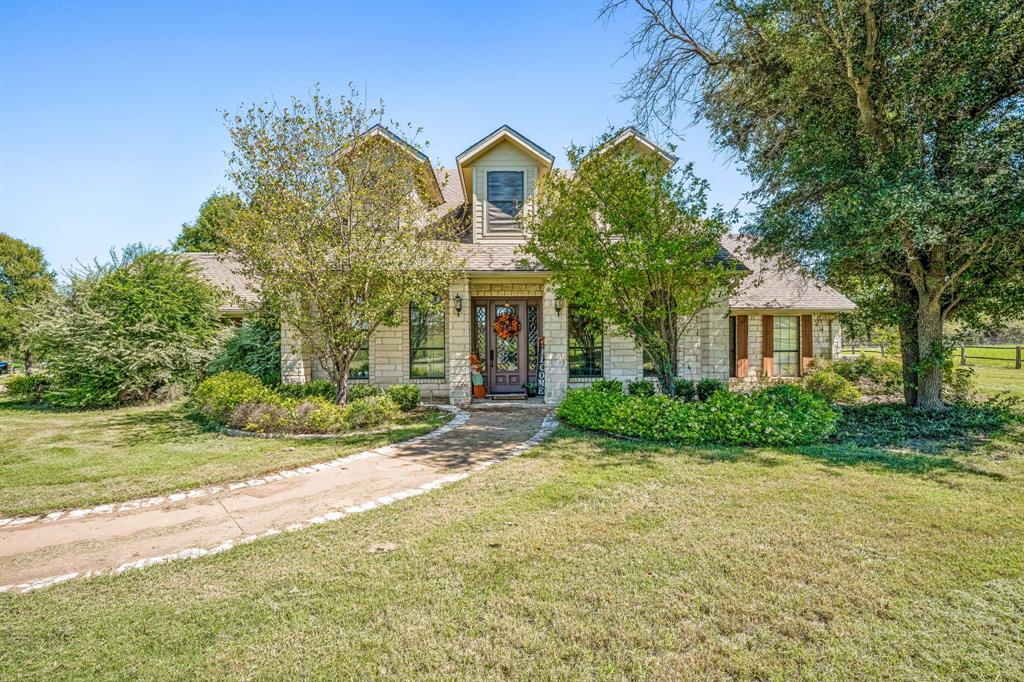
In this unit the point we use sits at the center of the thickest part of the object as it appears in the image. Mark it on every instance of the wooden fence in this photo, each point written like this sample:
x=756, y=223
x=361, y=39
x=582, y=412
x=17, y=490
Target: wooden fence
x=992, y=356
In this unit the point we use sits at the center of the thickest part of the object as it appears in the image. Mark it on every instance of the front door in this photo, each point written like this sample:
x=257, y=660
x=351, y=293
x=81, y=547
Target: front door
x=507, y=355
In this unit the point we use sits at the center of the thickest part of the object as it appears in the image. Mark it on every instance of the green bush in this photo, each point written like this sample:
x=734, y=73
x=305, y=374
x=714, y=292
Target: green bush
x=607, y=386
x=309, y=415
x=686, y=390
x=318, y=388
x=958, y=385
x=360, y=391
x=871, y=375
x=121, y=332
x=640, y=388
x=708, y=387
x=367, y=412
x=777, y=415
x=254, y=348
x=406, y=396
x=832, y=387
x=217, y=397
x=27, y=387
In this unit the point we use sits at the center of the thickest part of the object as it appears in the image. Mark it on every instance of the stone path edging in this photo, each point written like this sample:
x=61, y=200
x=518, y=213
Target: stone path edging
x=547, y=426
x=460, y=418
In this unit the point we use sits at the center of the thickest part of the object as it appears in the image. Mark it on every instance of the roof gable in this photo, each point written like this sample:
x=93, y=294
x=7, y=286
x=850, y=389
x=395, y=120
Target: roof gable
x=428, y=179
x=501, y=135
x=642, y=142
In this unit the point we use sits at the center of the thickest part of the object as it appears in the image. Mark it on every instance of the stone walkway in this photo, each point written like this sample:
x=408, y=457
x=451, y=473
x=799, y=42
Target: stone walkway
x=38, y=554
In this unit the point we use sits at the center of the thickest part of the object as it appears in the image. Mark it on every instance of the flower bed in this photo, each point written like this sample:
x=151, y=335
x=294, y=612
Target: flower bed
x=776, y=415
x=240, y=401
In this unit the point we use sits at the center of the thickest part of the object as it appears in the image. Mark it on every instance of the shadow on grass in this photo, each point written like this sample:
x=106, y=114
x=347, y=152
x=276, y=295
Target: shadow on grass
x=846, y=455
x=608, y=451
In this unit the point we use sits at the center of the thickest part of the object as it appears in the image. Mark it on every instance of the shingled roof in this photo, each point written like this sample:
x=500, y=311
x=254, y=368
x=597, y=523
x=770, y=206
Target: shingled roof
x=223, y=272
x=772, y=286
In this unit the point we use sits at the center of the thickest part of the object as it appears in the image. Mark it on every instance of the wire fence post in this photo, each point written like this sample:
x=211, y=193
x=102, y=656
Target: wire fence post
x=963, y=355
x=1018, y=357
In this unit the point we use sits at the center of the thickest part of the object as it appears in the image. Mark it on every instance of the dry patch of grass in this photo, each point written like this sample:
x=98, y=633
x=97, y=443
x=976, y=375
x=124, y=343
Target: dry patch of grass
x=592, y=558
x=51, y=459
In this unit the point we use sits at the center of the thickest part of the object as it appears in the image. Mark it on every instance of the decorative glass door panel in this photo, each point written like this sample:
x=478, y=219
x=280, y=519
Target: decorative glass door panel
x=507, y=335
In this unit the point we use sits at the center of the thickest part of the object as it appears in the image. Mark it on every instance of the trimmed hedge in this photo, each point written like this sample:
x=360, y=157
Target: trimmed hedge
x=406, y=396
x=777, y=415
x=217, y=397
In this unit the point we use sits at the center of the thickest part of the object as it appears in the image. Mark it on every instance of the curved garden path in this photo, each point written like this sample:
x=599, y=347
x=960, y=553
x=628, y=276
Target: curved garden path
x=41, y=552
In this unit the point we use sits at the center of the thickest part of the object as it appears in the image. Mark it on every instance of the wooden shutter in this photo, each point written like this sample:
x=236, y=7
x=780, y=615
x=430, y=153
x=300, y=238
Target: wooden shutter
x=767, y=344
x=742, y=362
x=806, y=345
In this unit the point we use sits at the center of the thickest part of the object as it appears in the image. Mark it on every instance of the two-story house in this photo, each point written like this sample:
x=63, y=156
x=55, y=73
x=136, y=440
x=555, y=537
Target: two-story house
x=773, y=325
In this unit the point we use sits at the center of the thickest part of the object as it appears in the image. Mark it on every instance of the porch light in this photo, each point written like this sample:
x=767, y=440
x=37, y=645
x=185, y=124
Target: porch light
x=558, y=306
x=458, y=304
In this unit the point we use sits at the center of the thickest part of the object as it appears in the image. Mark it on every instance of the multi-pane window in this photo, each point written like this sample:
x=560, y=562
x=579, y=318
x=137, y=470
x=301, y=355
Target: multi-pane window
x=426, y=343
x=586, y=345
x=505, y=196
x=786, y=344
x=360, y=366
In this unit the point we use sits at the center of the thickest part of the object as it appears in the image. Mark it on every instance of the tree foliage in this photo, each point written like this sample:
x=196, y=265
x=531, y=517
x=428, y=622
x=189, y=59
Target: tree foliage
x=253, y=348
x=335, y=228
x=121, y=332
x=24, y=280
x=886, y=140
x=633, y=242
x=216, y=215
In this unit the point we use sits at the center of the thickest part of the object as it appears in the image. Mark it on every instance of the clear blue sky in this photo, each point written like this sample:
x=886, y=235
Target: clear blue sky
x=109, y=123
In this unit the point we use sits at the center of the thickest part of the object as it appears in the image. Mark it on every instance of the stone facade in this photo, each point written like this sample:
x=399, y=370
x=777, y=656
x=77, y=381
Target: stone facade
x=703, y=348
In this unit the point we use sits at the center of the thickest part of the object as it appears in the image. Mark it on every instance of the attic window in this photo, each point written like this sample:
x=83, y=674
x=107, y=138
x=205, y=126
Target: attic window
x=505, y=195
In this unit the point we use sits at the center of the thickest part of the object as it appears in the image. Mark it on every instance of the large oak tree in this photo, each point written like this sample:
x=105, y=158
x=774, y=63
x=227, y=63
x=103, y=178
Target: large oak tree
x=885, y=138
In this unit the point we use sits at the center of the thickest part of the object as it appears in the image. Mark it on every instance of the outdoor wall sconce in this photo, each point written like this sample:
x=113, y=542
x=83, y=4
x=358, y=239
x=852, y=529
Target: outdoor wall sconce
x=458, y=304
x=558, y=306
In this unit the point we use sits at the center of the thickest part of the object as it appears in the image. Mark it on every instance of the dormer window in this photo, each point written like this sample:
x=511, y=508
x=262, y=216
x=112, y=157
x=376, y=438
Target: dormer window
x=505, y=196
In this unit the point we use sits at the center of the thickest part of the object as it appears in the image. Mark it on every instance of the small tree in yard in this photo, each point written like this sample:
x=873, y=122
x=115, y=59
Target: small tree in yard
x=632, y=242
x=337, y=228
x=24, y=280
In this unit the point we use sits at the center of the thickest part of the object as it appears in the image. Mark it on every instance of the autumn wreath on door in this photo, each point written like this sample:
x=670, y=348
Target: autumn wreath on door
x=507, y=325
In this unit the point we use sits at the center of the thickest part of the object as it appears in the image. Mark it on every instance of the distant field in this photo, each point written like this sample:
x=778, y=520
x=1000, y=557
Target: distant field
x=981, y=356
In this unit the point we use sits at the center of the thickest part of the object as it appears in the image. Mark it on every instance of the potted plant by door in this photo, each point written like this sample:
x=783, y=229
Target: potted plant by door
x=531, y=389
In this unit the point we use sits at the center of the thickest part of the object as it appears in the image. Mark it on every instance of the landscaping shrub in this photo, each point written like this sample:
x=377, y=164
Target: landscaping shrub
x=309, y=415
x=832, y=387
x=318, y=388
x=217, y=397
x=360, y=391
x=406, y=396
x=958, y=385
x=640, y=388
x=27, y=387
x=371, y=411
x=607, y=386
x=117, y=333
x=777, y=415
x=708, y=387
x=254, y=348
x=871, y=375
x=686, y=390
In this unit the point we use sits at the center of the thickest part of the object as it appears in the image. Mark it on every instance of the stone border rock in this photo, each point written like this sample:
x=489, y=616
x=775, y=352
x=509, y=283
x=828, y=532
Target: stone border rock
x=547, y=426
x=460, y=418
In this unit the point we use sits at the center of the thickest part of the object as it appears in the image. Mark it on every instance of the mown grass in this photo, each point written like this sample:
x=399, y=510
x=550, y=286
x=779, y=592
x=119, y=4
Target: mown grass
x=51, y=459
x=590, y=558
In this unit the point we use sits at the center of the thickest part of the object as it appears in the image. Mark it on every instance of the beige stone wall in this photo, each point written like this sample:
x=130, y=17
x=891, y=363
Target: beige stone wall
x=458, y=343
x=296, y=367
x=510, y=289
x=827, y=339
x=556, y=371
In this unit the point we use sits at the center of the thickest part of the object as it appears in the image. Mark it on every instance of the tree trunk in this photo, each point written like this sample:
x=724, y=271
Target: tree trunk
x=27, y=358
x=932, y=353
x=906, y=297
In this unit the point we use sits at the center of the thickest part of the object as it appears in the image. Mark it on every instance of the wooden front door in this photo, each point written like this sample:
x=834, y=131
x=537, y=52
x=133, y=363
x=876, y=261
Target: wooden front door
x=507, y=361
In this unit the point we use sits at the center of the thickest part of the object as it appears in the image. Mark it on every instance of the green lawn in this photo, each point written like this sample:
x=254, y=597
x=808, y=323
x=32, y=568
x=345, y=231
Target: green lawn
x=54, y=460
x=593, y=558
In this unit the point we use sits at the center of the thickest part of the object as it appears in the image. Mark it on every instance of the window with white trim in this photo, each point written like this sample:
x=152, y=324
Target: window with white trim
x=786, y=345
